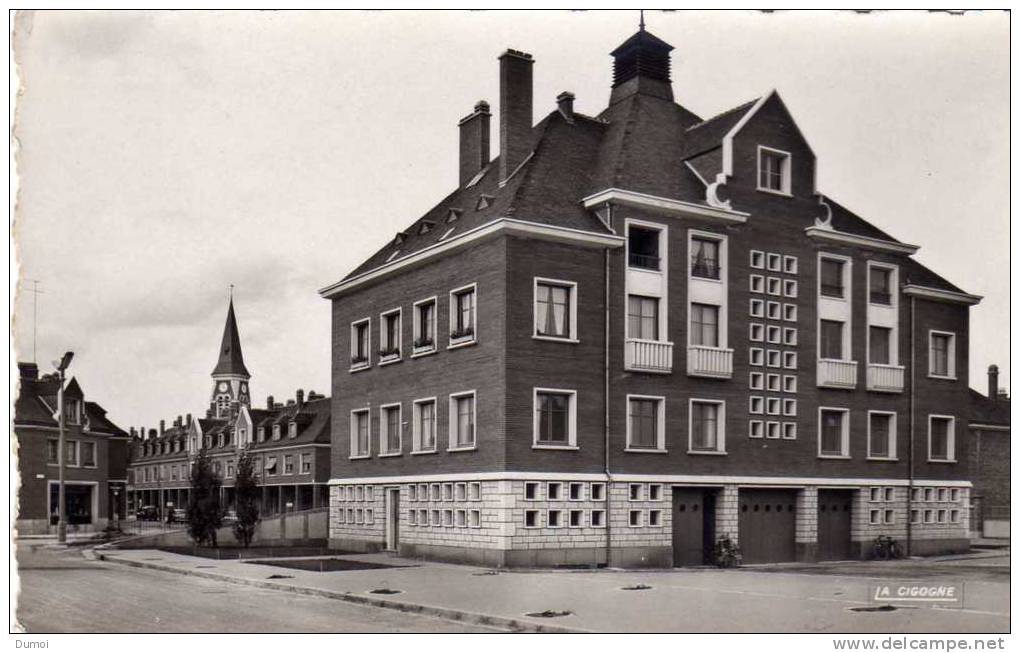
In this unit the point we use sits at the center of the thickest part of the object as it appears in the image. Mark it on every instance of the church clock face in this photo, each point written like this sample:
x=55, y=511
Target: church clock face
x=223, y=386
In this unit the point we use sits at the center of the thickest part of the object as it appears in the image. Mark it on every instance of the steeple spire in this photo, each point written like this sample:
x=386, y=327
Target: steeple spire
x=231, y=360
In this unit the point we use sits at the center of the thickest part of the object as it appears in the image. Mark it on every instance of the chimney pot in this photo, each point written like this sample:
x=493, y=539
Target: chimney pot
x=474, y=142
x=188, y=418
x=300, y=396
x=29, y=371
x=269, y=402
x=515, y=110
x=993, y=382
x=565, y=103
x=162, y=427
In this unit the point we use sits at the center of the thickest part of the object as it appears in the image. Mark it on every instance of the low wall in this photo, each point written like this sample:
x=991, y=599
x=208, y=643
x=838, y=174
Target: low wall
x=295, y=528
x=995, y=528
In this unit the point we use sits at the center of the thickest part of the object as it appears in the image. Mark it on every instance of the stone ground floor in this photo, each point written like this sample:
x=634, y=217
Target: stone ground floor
x=643, y=521
x=275, y=499
x=90, y=505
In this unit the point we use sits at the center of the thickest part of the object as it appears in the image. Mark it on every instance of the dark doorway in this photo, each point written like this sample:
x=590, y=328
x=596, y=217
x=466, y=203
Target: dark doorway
x=835, y=508
x=77, y=499
x=768, y=519
x=693, y=525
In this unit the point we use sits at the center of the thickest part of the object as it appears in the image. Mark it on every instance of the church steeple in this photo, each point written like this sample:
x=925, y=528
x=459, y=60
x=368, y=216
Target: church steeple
x=641, y=65
x=230, y=376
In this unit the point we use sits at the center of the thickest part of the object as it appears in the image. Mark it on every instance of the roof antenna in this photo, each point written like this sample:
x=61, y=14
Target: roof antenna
x=641, y=25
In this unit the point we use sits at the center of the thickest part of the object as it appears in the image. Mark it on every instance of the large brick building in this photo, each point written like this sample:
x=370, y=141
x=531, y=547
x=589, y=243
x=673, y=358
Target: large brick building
x=95, y=448
x=290, y=442
x=632, y=334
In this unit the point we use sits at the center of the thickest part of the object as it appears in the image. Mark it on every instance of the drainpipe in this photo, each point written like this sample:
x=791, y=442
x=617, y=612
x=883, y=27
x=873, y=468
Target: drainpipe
x=605, y=379
x=910, y=450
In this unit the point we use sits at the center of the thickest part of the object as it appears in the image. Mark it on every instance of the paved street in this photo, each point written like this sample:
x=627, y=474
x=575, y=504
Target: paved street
x=61, y=592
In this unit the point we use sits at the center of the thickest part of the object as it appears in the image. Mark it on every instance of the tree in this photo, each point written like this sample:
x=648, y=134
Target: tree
x=246, y=497
x=205, y=514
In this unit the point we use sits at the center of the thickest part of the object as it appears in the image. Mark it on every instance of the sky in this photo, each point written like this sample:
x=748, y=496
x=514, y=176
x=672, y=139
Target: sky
x=164, y=156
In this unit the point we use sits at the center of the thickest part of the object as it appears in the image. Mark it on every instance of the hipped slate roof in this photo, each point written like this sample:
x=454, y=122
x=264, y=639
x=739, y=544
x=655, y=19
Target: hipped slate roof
x=985, y=410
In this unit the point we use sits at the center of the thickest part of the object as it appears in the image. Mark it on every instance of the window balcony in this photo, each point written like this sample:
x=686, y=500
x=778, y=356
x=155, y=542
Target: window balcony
x=837, y=374
x=713, y=362
x=885, y=378
x=648, y=356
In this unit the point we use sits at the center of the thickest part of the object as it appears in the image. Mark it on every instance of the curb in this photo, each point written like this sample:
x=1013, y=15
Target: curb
x=450, y=614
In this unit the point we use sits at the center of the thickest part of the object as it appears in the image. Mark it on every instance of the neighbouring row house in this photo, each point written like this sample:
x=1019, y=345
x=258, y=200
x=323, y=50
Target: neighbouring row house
x=631, y=335
x=289, y=441
x=95, y=457
x=989, y=459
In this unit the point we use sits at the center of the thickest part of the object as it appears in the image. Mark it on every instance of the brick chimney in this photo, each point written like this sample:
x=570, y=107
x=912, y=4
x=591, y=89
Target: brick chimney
x=269, y=402
x=515, y=110
x=993, y=382
x=28, y=371
x=300, y=394
x=474, y=142
x=565, y=103
x=162, y=427
x=188, y=418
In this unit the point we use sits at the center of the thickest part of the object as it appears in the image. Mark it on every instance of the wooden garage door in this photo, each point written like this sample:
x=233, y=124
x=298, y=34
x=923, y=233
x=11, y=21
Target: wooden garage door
x=767, y=525
x=693, y=525
x=834, y=511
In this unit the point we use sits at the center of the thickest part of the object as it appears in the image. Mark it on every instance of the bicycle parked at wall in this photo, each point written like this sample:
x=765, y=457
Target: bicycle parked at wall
x=886, y=548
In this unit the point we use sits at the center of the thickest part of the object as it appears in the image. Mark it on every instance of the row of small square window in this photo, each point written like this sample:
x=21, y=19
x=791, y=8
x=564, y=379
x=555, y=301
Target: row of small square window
x=773, y=310
x=774, y=335
x=356, y=493
x=596, y=492
x=772, y=358
x=772, y=430
x=773, y=262
x=773, y=406
x=445, y=518
x=355, y=516
x=596, y=518
x=444, y=492
x=941, y=494
x=773, y=382
x=774, y=286
x=931, y=516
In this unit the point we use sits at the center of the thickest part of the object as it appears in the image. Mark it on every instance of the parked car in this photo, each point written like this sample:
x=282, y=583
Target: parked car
x=147, y=513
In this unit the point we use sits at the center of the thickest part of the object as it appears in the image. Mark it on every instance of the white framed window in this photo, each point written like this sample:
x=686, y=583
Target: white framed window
x=575, y=492
x=774, y=286
x=834, y=276
x=833, y=432
x=790, y=312
x=942, y=354
x=435, y=518
x=942, y=438
x=288, y=464
x=915, y=516
x=929, y=494
x=643, y=318
x=757, y=405
x=448, y=518
x=881, y=435
x=756, y=332
x=755, y=428
x=655, y=492
x=757, y=259
x=954, y=495
x=361, y=431
x=790, y=360
x=789, y=288
x=447, y=491
x=474, y=491
x=789, y=430
x=790, y=264
x=774, y=262
x=789, y=407
x=772, y=310
x=874, y=516
x=292, y=429
x=553, y=491
x=773, y=406
x=412, y=492
x=655, y=518
x=772, y=382
x=474, y=519
x=707, y=426
x=774, y=335
x=597, y=518
x=757, y=283
x=463, y=315
x=889, y=493
x=756, y=381
x=646, y=423
x=424, y=318
x=531, y=491
x=882, y=284
x=361, y=343
x=555, y=309
x=634, y=519
x=790, y=383
x=390, y=330
x=757, y=307
x=790, y=336
x=772, y=430
x=531, y=519
x=412, y=517
x=929, y=516
x=390, y=430
x=875, y=494
x=773, y=358
x=598, y=491
x=704, y=328
x=706, y=254
x=756, y=356
x=555, y=423
x=460, y=520
x=423, y=428
x=576, y=518
x=773, y=170
x=462, y=421
x=646, y=246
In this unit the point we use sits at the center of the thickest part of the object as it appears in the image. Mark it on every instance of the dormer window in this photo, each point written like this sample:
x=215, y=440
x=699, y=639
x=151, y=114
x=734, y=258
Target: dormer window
x=453, y=215
x=276, y=431
x=262, y=434
x=219, y=440
x=773, y=170
x=72, y=411
x=292, y=430
x=426, y=226
x=242, y=436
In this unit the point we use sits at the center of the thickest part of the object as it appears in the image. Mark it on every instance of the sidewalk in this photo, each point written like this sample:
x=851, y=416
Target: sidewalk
x=695, y=600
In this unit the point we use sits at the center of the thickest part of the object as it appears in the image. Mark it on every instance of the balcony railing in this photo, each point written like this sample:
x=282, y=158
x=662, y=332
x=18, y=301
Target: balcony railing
x=885, y=378
x=644, y=261
x=649, y=356
x=880, y=297
x=837, y=374
x=713, y=362
x=832, y=290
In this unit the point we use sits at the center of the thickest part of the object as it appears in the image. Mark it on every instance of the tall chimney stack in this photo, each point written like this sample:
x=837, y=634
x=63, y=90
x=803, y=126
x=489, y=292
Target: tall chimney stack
x=993, y=382
x=300, y=395
x=269, y=402
x=565, y=103
x=162, y=427
x=515, y=110
x=474, y=142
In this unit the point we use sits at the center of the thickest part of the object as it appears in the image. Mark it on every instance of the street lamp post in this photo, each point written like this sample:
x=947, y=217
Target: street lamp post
x=61, y=366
